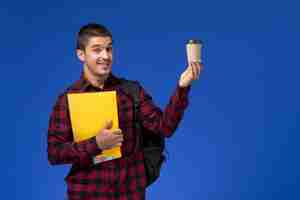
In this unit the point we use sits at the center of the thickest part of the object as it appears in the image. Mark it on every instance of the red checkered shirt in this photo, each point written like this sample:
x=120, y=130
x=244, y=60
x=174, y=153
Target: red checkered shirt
x=119, y=179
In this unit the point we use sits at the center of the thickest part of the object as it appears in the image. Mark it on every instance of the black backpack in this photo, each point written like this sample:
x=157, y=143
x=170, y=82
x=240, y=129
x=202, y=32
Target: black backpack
x=152, y=144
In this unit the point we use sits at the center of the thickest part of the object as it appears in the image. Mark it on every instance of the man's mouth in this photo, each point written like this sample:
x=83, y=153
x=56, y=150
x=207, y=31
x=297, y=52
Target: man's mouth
x=103, y=64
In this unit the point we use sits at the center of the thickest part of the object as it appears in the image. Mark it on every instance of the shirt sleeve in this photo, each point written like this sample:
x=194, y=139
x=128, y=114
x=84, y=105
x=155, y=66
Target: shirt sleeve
x=165, y=122
x=61, y=147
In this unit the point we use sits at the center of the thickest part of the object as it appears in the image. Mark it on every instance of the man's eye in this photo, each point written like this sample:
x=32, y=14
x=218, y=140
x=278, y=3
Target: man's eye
x=98, y=50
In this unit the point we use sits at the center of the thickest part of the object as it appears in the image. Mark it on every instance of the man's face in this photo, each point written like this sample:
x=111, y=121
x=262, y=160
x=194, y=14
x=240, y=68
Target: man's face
x=97, y=56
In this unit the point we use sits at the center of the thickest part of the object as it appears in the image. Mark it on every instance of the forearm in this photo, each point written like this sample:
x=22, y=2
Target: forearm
x=167, y=121
x=174, y=111
x=77, y=153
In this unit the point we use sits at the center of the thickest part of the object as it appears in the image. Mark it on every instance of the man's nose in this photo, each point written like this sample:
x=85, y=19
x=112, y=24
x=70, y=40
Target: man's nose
x=104, y=54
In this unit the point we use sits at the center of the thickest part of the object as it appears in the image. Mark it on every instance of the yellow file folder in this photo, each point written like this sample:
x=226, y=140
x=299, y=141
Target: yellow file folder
x=89, y=112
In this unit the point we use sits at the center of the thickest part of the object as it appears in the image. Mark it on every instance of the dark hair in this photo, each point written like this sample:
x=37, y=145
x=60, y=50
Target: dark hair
x=88, y=31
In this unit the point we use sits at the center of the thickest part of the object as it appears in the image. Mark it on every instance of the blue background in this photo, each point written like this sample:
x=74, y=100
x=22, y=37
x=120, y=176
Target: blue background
x=239, y=138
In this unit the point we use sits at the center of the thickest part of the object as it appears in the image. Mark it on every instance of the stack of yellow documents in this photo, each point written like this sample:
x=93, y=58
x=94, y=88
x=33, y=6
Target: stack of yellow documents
x=89, y=113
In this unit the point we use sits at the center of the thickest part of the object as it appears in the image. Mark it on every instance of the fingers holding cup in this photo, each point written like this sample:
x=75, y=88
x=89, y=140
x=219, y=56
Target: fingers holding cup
x=195, y=70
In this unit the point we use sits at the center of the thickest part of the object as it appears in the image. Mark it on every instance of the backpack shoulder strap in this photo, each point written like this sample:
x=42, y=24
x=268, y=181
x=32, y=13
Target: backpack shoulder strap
x=132, y=89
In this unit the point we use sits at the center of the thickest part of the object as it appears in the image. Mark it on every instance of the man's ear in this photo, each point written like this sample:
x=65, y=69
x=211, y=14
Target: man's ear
x=80, y=54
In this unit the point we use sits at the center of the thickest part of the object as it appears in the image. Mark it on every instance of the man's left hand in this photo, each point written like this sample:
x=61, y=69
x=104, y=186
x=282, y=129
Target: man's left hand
x=191, y=73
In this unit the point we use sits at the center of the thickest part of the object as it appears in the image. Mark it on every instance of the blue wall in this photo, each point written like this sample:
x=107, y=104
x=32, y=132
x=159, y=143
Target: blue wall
x=240, y=135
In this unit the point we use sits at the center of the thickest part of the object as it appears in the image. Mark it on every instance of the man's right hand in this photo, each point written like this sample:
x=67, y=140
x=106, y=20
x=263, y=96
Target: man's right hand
x=107, y=139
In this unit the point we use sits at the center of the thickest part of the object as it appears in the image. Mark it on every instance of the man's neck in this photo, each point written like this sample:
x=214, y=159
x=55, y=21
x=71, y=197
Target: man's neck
x=97, y=81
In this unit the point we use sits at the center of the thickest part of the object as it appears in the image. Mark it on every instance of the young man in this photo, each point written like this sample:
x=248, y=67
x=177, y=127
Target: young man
x=122, y=178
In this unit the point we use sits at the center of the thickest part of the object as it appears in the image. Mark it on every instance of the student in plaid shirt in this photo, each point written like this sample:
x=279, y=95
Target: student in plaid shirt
x=119, y=179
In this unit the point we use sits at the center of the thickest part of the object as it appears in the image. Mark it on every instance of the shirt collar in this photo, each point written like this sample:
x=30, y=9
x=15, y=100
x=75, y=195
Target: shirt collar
x=83, y=83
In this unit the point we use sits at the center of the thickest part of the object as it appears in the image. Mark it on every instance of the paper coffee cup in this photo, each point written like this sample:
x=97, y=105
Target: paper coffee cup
x=193, y=49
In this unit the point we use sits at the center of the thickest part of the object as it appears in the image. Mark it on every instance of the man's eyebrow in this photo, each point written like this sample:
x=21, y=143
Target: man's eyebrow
x=101, y=46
